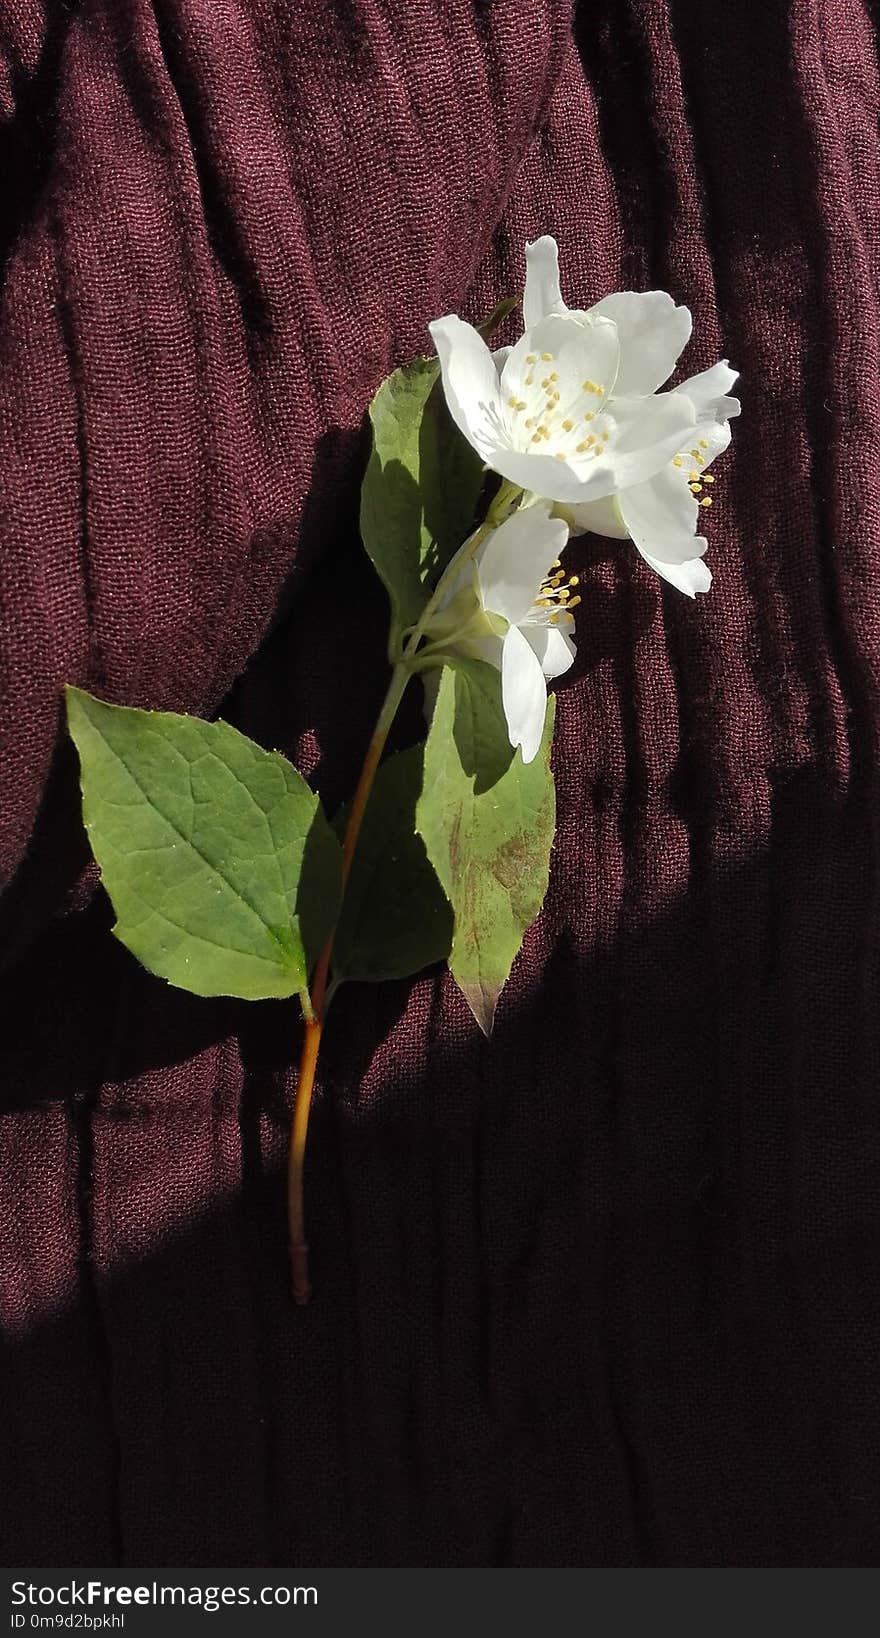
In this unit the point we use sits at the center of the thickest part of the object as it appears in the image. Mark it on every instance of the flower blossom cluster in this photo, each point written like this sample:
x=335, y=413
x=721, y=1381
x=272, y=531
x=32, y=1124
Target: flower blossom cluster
x=572, y=418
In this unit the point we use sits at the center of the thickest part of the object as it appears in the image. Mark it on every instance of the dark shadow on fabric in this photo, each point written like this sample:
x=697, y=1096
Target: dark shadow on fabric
x=28, y=139
x=535, y=1250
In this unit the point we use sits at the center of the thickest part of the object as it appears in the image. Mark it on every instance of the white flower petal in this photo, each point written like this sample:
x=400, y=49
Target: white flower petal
x=500, y=357
x=645, y=434
x=661, y=516
x=523, y=694
x=470, y=381
x=553, y=648
x=715, y=435
x=652, y=333
x=515, y=558
x=598, y=517
x=708, y=392
x=573, y=352
x=690, y=577
x=542, y=294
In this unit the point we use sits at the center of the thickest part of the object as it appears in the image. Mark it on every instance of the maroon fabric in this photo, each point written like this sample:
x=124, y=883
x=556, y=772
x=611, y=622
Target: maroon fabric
x=605, y=1290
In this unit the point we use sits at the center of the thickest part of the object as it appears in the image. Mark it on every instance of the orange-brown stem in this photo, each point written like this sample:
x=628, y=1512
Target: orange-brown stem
x=508, y=495
x=298, y=1248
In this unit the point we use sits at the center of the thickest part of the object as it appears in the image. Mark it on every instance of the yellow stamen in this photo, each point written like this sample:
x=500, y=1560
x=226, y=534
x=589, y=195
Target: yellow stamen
x=708, y=477
x=548, y=357
x=567, y=426
x=706, y=501
x=704, y=444
x=677, y=460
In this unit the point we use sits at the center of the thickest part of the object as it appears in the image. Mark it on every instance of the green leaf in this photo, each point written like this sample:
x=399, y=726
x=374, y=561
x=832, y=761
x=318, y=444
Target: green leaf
x=487, y=821
x=420, y=489
x=395, y=918
x=222, y=869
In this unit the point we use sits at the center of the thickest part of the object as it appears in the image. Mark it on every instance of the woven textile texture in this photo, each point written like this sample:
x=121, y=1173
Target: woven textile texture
x=605, y=1290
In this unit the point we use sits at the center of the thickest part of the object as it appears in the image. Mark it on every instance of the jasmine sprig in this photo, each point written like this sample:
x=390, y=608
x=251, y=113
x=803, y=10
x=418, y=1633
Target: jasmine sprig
x=225, y=874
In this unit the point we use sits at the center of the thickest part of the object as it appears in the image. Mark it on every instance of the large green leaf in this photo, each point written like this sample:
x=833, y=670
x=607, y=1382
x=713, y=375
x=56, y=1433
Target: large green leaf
x=420, y=488
x=487, y=821
x=395, y=918
x=220, y=864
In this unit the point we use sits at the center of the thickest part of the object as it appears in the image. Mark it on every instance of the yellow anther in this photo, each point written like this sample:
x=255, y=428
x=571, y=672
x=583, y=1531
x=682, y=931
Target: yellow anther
x=706, y=501
x=546, y=382
x=556, y=564
x=590, y=415
x=531, y=358
x=696, y=456
x=567, y=426
x=572, y=604
x=677, y=460
x=704, y=444
x=554, y=620
x=598, y=450
x=548, y=357
x=574, y=580
x=529, y=380
x=708, y=477
x=601, y=391
x=513, y=402
x=555, y=377
x=694, y=477
x=695, y=488
x=530, y=422
x=559, y=455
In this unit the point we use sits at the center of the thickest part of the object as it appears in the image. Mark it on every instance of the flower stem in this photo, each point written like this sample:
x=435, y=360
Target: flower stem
x=314, y=1024
x=314, y=1003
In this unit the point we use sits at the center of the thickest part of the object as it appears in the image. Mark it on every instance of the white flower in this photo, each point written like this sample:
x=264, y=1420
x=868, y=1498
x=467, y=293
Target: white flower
x=510, y=607
x=659, y=514
x=566, y=413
